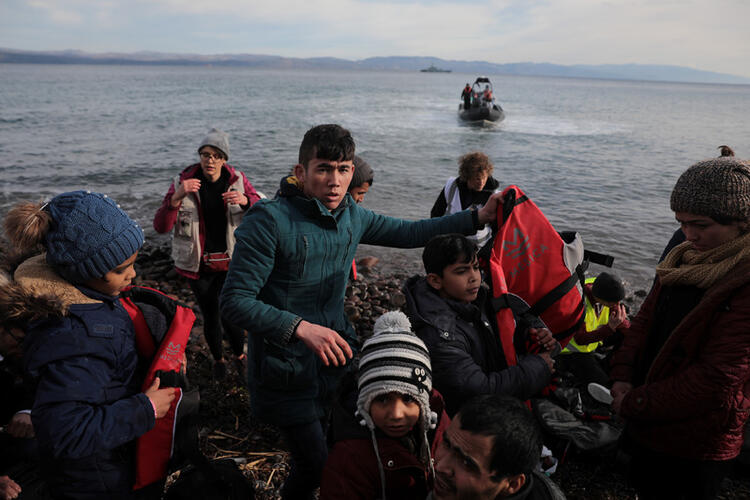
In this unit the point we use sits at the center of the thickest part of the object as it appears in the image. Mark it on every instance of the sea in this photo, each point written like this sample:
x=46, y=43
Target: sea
x=597, y=156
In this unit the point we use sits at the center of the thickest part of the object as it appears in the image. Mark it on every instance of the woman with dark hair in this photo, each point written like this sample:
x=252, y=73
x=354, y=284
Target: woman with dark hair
x=682, y=375
x=204, y=205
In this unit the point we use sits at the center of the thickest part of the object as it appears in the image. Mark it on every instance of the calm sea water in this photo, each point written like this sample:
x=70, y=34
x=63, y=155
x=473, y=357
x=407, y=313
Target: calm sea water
x=599, y=157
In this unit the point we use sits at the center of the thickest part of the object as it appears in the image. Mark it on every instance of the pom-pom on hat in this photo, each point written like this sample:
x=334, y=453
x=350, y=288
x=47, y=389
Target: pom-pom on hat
x=718, y=188
x=608, y=287
x=394, y=360
x=216, y=139
x=90, y=235
x=362, y=173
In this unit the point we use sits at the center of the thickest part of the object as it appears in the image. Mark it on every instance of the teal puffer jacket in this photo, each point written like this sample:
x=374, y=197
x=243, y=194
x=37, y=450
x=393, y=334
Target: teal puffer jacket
x=291, y=260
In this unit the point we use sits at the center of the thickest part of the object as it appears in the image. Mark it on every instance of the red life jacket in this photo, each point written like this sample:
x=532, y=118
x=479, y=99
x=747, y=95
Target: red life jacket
x=534, y=272
x=154, y=448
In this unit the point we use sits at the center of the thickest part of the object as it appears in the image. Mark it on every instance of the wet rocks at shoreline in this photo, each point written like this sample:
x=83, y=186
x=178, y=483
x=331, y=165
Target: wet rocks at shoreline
x=369, y=297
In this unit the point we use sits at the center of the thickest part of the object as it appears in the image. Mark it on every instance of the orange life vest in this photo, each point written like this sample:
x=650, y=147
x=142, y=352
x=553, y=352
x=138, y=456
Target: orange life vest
x=535, y=273
x=154, y=448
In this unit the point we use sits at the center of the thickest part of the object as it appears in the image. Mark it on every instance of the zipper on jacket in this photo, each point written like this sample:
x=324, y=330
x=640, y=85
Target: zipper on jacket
x=345, y=261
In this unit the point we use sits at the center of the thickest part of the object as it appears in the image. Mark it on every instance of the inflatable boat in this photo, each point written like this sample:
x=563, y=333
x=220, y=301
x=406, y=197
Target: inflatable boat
x=482, y=105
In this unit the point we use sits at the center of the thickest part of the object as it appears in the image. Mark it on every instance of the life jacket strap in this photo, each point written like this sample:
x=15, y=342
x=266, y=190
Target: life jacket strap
x=560, y=290
x=598, y=258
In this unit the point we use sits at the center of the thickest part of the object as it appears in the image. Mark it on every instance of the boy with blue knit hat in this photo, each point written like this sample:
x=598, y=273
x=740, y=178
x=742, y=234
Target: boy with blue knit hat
x=89, y=407
x=384, y=448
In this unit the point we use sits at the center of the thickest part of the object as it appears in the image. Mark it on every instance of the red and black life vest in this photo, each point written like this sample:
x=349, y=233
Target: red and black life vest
x=534, y=271
x=166, y=350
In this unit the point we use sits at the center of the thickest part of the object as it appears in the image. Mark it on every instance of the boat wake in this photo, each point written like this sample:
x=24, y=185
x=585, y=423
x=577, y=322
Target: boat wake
x=557, y=126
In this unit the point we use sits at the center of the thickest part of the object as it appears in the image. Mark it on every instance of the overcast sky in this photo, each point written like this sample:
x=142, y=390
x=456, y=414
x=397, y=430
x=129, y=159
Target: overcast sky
x=711, y=35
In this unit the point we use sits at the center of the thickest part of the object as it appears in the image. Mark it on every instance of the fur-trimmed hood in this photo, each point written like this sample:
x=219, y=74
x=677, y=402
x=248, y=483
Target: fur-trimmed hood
x=36, y=293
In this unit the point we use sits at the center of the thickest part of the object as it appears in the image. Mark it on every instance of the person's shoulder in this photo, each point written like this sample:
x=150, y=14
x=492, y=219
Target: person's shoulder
x=431, y=315
x=282, y=213
x=355, y=209
x=492, y=184
x=235, y=173
x=268, y=206
x=189, y=172
x=544, y=488
x=424, y=295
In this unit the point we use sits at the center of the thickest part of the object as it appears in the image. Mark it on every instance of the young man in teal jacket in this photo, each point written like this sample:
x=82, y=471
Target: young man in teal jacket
x=286, y=286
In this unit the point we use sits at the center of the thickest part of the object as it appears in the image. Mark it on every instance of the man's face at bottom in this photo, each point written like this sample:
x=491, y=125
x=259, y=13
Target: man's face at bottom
x=462, y=466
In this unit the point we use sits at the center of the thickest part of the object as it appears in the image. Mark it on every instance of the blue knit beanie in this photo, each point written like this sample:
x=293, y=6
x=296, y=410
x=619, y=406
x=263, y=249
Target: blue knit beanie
x=90, y=235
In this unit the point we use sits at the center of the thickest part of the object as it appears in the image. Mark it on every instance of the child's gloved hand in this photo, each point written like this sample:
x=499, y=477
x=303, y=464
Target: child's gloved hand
x=161, y=399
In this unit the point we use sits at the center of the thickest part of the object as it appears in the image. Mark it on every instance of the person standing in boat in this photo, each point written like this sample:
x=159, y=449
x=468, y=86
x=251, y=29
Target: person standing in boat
x=487, y=95
x=471, y=189
x=466, y=96
x=204, y=205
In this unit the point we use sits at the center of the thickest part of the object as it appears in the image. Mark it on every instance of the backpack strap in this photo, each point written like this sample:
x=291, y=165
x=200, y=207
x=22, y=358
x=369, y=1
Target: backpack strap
x=598, y=258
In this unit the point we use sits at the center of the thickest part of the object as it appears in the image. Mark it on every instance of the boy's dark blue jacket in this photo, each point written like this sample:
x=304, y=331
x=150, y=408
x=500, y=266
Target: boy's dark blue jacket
x=89, y=406
x=465, y=351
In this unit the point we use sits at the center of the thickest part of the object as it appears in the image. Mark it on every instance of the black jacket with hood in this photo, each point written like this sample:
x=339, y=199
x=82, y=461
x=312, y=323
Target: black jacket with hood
x=465, y=351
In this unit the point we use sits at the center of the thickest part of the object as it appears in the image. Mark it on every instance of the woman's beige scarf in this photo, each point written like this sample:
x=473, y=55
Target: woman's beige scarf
x=686, y=266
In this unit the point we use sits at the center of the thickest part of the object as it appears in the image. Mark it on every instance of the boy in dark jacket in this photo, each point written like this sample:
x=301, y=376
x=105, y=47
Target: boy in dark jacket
x=88, y=408
x=447, y=309
x=384, y=448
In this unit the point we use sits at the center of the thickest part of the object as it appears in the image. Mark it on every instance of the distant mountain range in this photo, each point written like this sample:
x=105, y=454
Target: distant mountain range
x=646, y=72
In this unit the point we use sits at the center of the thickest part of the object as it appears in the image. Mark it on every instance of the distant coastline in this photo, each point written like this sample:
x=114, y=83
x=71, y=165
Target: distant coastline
x=643, y=72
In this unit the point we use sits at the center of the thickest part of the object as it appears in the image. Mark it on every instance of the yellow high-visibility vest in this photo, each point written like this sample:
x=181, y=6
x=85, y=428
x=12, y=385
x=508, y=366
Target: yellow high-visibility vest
x=592, y=322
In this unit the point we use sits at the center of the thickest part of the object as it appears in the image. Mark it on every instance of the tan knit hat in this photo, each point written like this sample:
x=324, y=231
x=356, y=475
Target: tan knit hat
x=718, y=188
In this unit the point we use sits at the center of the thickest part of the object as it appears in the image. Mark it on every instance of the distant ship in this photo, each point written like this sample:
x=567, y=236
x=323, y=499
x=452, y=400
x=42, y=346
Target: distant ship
x=435, y=69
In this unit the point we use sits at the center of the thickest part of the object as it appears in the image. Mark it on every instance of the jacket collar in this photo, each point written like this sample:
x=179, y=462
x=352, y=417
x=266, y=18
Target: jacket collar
x=97, y=296
x=40, y=280
x=436, y=311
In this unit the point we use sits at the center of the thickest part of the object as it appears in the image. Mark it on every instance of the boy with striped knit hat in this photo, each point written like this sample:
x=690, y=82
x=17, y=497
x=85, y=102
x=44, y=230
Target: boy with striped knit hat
x=384, y=448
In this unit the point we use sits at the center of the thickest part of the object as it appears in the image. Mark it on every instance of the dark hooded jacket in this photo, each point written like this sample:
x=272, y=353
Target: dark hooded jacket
x=88, y=407
x=467, y=358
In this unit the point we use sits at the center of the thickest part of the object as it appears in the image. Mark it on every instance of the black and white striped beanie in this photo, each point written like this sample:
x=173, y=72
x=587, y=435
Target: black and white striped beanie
x=394, y=360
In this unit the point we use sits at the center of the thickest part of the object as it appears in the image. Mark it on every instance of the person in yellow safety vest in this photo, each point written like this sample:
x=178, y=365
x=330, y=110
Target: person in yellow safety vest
x=605, y=316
